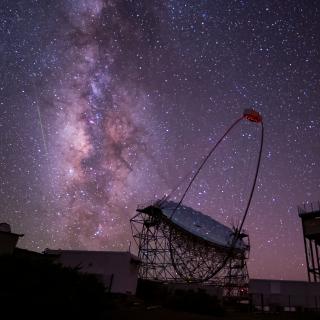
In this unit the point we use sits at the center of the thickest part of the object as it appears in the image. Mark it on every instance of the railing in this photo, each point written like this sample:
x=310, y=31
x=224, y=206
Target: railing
x=149, y=203
x=309, y=207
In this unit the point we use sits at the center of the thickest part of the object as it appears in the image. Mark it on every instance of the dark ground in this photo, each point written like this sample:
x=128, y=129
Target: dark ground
x=36, y=288
x=165, y=314
x=133, y=308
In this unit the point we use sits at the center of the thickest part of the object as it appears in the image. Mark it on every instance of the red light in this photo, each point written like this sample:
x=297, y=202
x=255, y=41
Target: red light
x=252, y=115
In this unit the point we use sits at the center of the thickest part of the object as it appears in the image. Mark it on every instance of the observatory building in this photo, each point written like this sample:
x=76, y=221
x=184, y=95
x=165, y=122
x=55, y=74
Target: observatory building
x=310, y=218
x=117, y=270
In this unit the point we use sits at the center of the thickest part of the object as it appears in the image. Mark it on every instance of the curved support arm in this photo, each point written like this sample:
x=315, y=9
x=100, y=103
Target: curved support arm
x=204, y=162
x=253, y=185
x=249, y=115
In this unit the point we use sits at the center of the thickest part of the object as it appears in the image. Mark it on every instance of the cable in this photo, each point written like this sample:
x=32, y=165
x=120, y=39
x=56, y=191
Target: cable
x=203, y=163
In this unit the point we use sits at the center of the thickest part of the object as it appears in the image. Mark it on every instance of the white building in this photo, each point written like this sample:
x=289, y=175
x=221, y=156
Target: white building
x=284, y=295
x=117, y=270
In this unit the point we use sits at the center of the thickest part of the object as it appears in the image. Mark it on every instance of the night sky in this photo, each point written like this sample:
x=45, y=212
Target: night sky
x=107, y=104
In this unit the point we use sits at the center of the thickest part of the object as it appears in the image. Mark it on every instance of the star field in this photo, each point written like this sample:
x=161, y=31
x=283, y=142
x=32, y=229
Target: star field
x=109, y=104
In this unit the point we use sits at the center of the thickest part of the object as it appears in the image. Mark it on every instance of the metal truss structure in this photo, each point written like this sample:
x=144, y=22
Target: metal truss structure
x=236, y=278
x=168, y=253
x=310, y=218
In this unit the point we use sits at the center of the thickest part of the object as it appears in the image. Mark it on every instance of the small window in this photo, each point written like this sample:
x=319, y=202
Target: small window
x=289, y=309
x=265, y=308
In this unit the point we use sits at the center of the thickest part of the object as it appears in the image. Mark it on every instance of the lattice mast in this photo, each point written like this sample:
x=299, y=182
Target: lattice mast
x=310, y=219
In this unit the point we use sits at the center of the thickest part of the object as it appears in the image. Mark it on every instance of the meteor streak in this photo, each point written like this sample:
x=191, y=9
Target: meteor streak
x=40, y=120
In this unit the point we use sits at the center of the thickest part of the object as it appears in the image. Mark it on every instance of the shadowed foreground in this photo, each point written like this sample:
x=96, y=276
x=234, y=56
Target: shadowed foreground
x=34, y=286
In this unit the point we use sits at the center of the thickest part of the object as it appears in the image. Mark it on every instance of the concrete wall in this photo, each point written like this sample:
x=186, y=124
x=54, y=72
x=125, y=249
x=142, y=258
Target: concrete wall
x=284, y=295
x=117, y=270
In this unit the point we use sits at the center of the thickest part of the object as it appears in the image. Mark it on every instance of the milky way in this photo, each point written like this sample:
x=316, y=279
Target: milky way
x=109, y=104
x=102, y=127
